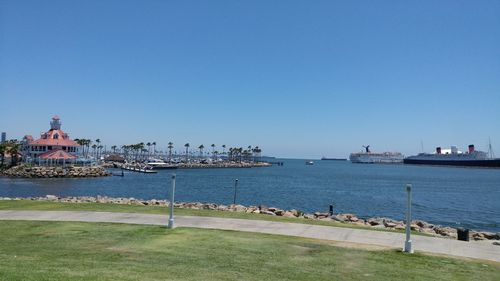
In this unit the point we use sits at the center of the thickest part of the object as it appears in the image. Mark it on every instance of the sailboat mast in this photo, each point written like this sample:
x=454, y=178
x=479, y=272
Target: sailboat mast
x=490, y=149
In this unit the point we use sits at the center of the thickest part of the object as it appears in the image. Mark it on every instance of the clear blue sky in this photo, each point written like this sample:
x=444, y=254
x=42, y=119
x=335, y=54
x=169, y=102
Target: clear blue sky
x=297, y=78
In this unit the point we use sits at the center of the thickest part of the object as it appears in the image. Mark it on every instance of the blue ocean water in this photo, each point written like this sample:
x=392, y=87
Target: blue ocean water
x=453, y=196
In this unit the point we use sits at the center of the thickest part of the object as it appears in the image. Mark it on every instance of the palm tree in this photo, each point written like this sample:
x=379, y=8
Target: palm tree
x=201, y=147
x=246, y=154
x=85, y=144
x=149, y=148
x=140, y=149
x=135, y=148
x=98, y=141
x=81, y=143
x=257, y=152
x=114, y=148
x=94, y=146
x=3, y=150
x=170, y=146
x=154, y=147
x=125, y=150
x=99, y=148
x=213, y=150
x=249, y=152
x=88, y=143
x=240, y=153
x=13, y=149
x=187, y=150
x=224, y=150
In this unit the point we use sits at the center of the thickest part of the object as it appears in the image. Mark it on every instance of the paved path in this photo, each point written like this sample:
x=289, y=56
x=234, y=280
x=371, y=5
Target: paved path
x=479, y=250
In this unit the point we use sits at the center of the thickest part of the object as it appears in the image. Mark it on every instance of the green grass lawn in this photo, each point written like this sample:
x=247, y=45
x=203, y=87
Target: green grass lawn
x=99, y=207
x=102, y=251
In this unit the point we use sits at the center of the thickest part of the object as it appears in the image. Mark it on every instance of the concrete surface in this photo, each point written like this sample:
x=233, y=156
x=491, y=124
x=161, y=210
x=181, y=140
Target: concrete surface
x=436, y=245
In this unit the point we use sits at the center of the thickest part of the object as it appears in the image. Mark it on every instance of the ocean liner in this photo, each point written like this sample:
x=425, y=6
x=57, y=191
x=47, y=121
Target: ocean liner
x=368, y=157
x=454, y=157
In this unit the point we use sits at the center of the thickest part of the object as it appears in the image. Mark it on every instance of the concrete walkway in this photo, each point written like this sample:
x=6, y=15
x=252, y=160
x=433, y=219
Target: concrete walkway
x=478, y=250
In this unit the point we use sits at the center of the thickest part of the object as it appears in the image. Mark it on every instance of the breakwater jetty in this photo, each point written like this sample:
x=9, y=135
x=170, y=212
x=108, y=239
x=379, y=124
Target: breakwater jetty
x=28, y=171
x=375, y=222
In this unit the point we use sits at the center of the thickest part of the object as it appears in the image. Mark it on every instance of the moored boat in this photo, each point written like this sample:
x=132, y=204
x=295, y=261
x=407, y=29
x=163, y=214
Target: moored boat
x=135, y=167
x=160, y=164
x=454, y=157
x=333, y=159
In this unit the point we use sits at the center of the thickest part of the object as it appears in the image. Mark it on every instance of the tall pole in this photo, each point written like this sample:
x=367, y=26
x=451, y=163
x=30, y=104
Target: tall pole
x=235, y=188
x=408, y=247
x=171, y=217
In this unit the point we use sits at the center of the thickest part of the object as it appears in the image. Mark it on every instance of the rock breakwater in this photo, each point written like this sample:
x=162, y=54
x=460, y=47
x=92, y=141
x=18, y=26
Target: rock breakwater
x=26, y=171
x=376, y=222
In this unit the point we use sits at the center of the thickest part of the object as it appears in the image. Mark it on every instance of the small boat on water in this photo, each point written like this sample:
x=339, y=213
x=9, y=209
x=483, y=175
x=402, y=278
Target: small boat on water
x=138, y=168
x=157, y=164
x=309, y=162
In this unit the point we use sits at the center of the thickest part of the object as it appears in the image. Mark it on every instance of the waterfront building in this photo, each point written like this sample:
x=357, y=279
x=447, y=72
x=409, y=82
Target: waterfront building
x=53, y=144
x=4, y=137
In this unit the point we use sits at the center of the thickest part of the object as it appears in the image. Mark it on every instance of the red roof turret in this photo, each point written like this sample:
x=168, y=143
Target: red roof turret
x=55, y=136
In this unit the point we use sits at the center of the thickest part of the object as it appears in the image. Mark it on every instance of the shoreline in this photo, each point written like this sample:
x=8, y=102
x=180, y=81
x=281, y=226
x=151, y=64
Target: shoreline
x=351, y=219
x=223, y=165
x=28, y=172
x=228, y=165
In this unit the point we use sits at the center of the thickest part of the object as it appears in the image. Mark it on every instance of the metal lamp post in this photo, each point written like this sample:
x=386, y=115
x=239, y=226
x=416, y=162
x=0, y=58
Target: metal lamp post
x=171, y=217
x=408, y=247
x=235, y=188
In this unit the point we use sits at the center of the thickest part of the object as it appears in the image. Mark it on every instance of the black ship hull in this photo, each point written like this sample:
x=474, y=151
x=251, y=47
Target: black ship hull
x=493, y=163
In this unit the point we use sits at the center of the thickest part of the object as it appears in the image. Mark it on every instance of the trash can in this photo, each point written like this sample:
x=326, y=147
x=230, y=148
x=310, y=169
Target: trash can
x=462, y=234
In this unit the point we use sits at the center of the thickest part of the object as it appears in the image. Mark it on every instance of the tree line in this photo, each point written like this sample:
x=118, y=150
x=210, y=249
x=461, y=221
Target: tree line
x=12, y=148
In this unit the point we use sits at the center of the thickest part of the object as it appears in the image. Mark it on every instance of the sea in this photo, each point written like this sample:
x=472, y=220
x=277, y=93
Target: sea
x=451, y=196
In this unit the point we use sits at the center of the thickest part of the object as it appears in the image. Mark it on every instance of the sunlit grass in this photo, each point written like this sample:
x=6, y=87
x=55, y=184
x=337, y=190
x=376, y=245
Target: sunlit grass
x=98, y=251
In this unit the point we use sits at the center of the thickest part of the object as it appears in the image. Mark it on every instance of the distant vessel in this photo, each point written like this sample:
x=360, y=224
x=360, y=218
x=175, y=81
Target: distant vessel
x=334, y=159
x=309, y=163
x=160, y=164
x=368, y=157
x=454, y=157
x=144, y=169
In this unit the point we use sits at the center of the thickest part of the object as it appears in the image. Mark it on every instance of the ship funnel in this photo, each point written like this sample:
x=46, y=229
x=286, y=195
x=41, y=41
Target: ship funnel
x=454, y=149
x=471, y=148
x=438, y=150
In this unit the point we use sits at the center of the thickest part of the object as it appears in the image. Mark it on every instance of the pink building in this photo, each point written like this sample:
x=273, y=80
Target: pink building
x=54, y=144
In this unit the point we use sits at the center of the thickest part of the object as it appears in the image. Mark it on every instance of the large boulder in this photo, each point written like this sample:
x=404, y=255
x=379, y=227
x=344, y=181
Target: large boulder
x=491, y=235
x=288, y=214
x=268, y=213
x=319, y=215
x=375, y=221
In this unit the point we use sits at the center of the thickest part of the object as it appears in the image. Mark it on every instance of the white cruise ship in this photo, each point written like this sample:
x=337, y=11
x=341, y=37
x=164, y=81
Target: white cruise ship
x=368, y=157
